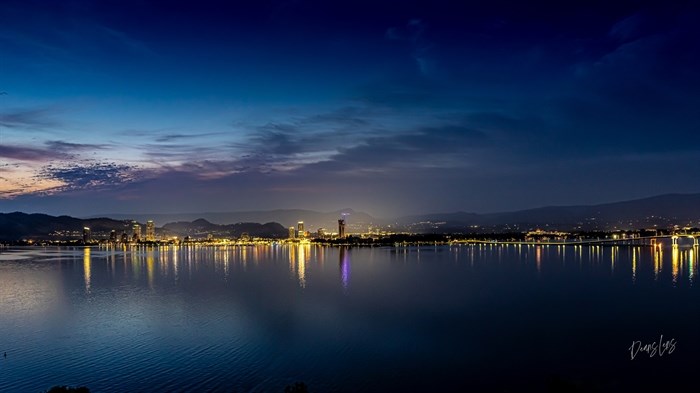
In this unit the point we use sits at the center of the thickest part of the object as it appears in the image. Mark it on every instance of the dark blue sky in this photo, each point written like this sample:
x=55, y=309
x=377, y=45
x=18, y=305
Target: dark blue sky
x=388, y=107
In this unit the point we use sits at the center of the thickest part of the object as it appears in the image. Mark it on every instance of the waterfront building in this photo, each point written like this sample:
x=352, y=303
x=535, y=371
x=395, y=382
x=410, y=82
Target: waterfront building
x=341, y=228
x=150, y=231
x=136, y=232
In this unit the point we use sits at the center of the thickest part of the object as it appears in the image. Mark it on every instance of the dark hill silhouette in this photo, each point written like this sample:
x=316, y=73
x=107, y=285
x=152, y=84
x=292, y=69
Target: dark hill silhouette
x=662, y=211
x=287, y=217
x=202, y=226
x=17, y=225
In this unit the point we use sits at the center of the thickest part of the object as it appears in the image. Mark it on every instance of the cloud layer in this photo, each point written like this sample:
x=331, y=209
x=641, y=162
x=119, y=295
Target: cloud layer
x=439, y=106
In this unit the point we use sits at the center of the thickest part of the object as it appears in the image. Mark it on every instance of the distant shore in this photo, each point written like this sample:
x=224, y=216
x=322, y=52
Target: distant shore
x=536, y=238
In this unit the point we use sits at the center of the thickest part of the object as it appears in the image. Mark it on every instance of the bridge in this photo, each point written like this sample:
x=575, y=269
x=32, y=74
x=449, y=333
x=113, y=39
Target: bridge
x=635, y=241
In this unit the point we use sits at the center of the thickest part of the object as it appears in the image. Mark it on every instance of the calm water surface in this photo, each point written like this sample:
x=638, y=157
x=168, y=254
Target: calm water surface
x=460, y=318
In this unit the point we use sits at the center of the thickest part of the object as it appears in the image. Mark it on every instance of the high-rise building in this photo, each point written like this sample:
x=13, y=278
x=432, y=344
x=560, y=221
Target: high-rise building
x=341, y=228
x=292, y=232
x=150, y=231
x=137, y=232
x=300, y=229
x=321, y=232
x=124, y=237
x=87, y=237
x=113, y=236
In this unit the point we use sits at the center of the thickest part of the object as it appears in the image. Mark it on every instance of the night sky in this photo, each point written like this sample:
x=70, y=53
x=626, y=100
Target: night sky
x=387, y=107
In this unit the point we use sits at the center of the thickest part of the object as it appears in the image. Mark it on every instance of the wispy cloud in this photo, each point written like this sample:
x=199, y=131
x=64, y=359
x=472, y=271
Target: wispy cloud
x=306, y=139
x=172, y=154
x=414, y=32
x=628, y=28
x=29, y=119
x=23, y=153
x=127, y=41
x=8, y=193
x=448, y=147
x=71, y=147
x=72, y=34
x=175, y=137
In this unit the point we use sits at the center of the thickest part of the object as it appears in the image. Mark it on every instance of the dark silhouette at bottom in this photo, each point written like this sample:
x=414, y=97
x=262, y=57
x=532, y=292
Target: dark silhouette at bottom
x=67, y=389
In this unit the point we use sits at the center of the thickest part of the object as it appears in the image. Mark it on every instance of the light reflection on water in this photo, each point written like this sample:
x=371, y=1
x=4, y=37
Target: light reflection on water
x=257, y=318
x=87, y=260
x=344, y=265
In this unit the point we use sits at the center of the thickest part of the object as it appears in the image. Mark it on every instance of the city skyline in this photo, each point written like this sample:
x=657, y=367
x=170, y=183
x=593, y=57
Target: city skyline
x=388, y=108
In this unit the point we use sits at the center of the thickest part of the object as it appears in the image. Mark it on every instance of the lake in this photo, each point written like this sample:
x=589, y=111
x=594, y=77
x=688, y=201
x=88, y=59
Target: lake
x=258, y=318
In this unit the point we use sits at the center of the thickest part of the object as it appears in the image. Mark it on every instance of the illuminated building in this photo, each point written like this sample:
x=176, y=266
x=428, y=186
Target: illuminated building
x=137, y=232
x=300, y=229
x=150, y=231
x=113, y=236
x=321, y=232
x=341, y=228
x=86, y=235
x=292, y=232
x=124, y=237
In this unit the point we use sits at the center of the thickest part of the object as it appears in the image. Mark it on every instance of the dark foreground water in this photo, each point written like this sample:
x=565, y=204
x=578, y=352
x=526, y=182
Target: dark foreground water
x=469, y=318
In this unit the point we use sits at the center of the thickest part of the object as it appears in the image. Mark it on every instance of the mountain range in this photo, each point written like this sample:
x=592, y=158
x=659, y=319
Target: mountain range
x=201, y=227
x=663, y=211
x=15, y=226
x=313, y=220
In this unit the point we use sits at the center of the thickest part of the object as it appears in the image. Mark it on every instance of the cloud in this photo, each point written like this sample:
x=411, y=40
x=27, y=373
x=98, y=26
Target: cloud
x=628, y=28
x=64, y=33
x=10, y=192
x=125, y=40
x=30, y=154
x=278, y=139
x=640, y=96
x=39, y=118
x=347, y=116
x=89, y=175
x=448, y=147
x=352, y=139
x=281, y=146
x=67, y=146
x=348, y=138
x=414, y=32
x=173, y=153
x=174, y=137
